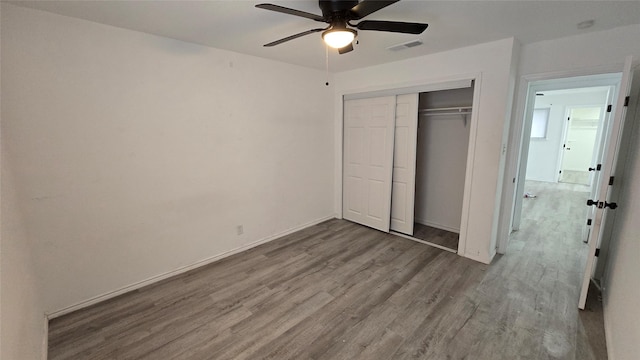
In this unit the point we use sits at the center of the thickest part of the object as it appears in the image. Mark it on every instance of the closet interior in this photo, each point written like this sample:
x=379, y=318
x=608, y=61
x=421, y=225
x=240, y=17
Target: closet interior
x=441, y=161
x=405, y=161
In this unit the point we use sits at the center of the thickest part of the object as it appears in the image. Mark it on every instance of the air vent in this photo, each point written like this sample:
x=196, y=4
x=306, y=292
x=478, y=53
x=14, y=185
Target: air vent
x=410, y=44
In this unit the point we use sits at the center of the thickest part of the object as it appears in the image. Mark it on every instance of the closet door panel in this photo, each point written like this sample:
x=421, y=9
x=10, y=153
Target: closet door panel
x=404, y=164
x=368, y=161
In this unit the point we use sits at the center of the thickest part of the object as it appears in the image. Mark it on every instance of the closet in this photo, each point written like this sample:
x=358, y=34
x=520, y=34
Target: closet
x=442, y=147
x=404, y=162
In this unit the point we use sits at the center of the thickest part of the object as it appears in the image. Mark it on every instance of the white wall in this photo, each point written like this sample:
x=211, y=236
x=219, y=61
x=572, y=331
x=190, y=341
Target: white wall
x=544, y=154
x=22, y=328
x=137, y=155
x=22, y=323
x=591, y=50
x=493, y=63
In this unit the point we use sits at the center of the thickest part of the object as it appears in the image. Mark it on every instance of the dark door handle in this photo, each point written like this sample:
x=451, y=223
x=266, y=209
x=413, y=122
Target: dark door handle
x=611, y=206
x=592, y=169
x=592, y=202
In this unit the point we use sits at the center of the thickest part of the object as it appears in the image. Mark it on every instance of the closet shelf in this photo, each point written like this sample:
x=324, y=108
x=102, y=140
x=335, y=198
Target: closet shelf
x=461, y=110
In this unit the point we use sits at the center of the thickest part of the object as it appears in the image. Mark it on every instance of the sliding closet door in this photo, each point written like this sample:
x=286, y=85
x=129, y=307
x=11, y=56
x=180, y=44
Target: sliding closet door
x=404, y=164
x=368, y=161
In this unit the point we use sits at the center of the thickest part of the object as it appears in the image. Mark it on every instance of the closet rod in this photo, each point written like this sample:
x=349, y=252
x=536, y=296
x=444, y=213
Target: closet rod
x=446, y=113
x=458, y=109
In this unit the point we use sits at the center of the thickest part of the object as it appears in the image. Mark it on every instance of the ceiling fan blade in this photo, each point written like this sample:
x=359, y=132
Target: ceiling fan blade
x=392, y=26
x=366, y=7
x=277, y=42
x=346, y=49
x=285, y=10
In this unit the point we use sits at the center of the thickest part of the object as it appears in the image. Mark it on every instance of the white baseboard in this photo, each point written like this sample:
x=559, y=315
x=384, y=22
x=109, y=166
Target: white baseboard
x=178, y=271
x=437, y=226
x=478, y=258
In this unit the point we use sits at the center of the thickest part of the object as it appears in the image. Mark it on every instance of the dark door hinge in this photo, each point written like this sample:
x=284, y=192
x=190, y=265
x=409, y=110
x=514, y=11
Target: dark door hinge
x=626, y=101
x=609, y=108
x=599, y=167
x=597, y=252
x=588, y=222
x=611, y=180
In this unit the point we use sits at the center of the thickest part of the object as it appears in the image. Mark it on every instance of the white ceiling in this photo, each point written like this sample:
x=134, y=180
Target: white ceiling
x=239, y=26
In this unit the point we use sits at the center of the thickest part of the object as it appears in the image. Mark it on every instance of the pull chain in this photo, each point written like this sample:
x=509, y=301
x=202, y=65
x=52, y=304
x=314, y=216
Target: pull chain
x=326, y=47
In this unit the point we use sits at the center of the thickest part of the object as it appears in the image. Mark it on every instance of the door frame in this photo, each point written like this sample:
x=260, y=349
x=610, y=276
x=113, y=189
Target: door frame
x=426, y=85
x=529, y=85
x=596, y=143
x=610, y=163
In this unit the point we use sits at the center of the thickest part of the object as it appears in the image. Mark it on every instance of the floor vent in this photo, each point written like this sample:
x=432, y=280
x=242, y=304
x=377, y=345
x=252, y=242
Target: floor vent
x=410, y=44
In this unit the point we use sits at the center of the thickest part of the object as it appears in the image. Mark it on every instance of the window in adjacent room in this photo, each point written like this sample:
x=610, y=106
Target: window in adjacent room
x=539, y=124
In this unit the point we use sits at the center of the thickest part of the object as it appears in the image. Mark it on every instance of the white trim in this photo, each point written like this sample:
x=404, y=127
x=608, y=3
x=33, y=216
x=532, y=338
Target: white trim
x=485, y=260
x=596, y=141
x=433, y=84
x=438, y=86
x=423, y=242
x=468, y=174
x=180, y=270
x=438, y=83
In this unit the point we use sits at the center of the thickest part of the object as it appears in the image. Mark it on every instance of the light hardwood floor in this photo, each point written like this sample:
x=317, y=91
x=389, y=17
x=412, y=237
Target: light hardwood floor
x=342, y=291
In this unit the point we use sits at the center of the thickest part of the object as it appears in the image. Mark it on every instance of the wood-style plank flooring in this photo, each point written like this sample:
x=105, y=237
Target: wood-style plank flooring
x=440, y=237
x=338, y=290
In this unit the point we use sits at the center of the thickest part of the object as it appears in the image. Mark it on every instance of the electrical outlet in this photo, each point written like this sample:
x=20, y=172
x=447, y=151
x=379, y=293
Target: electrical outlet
x=240, y=229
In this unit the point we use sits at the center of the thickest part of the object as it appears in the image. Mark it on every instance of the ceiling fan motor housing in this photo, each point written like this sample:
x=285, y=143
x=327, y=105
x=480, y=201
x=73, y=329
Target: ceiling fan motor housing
x=331, y=8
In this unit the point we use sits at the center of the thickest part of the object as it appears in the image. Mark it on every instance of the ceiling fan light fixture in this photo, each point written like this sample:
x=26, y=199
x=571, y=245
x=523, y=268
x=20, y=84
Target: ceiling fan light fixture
x=338, y=37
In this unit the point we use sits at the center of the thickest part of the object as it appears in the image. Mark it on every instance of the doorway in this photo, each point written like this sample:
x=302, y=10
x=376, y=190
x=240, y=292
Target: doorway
x=565, y=146
x=580, y=144
x=602, y=154
x=545, y=135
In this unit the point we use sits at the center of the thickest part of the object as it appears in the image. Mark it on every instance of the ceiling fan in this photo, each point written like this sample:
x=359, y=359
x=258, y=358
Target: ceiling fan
x=339, y=14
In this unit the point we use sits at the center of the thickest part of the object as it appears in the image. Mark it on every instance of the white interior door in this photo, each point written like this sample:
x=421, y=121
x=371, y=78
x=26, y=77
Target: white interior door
x=368, y=161
x=404, y=164
x=596, y=165
x=612, y=143
x=580, y=141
